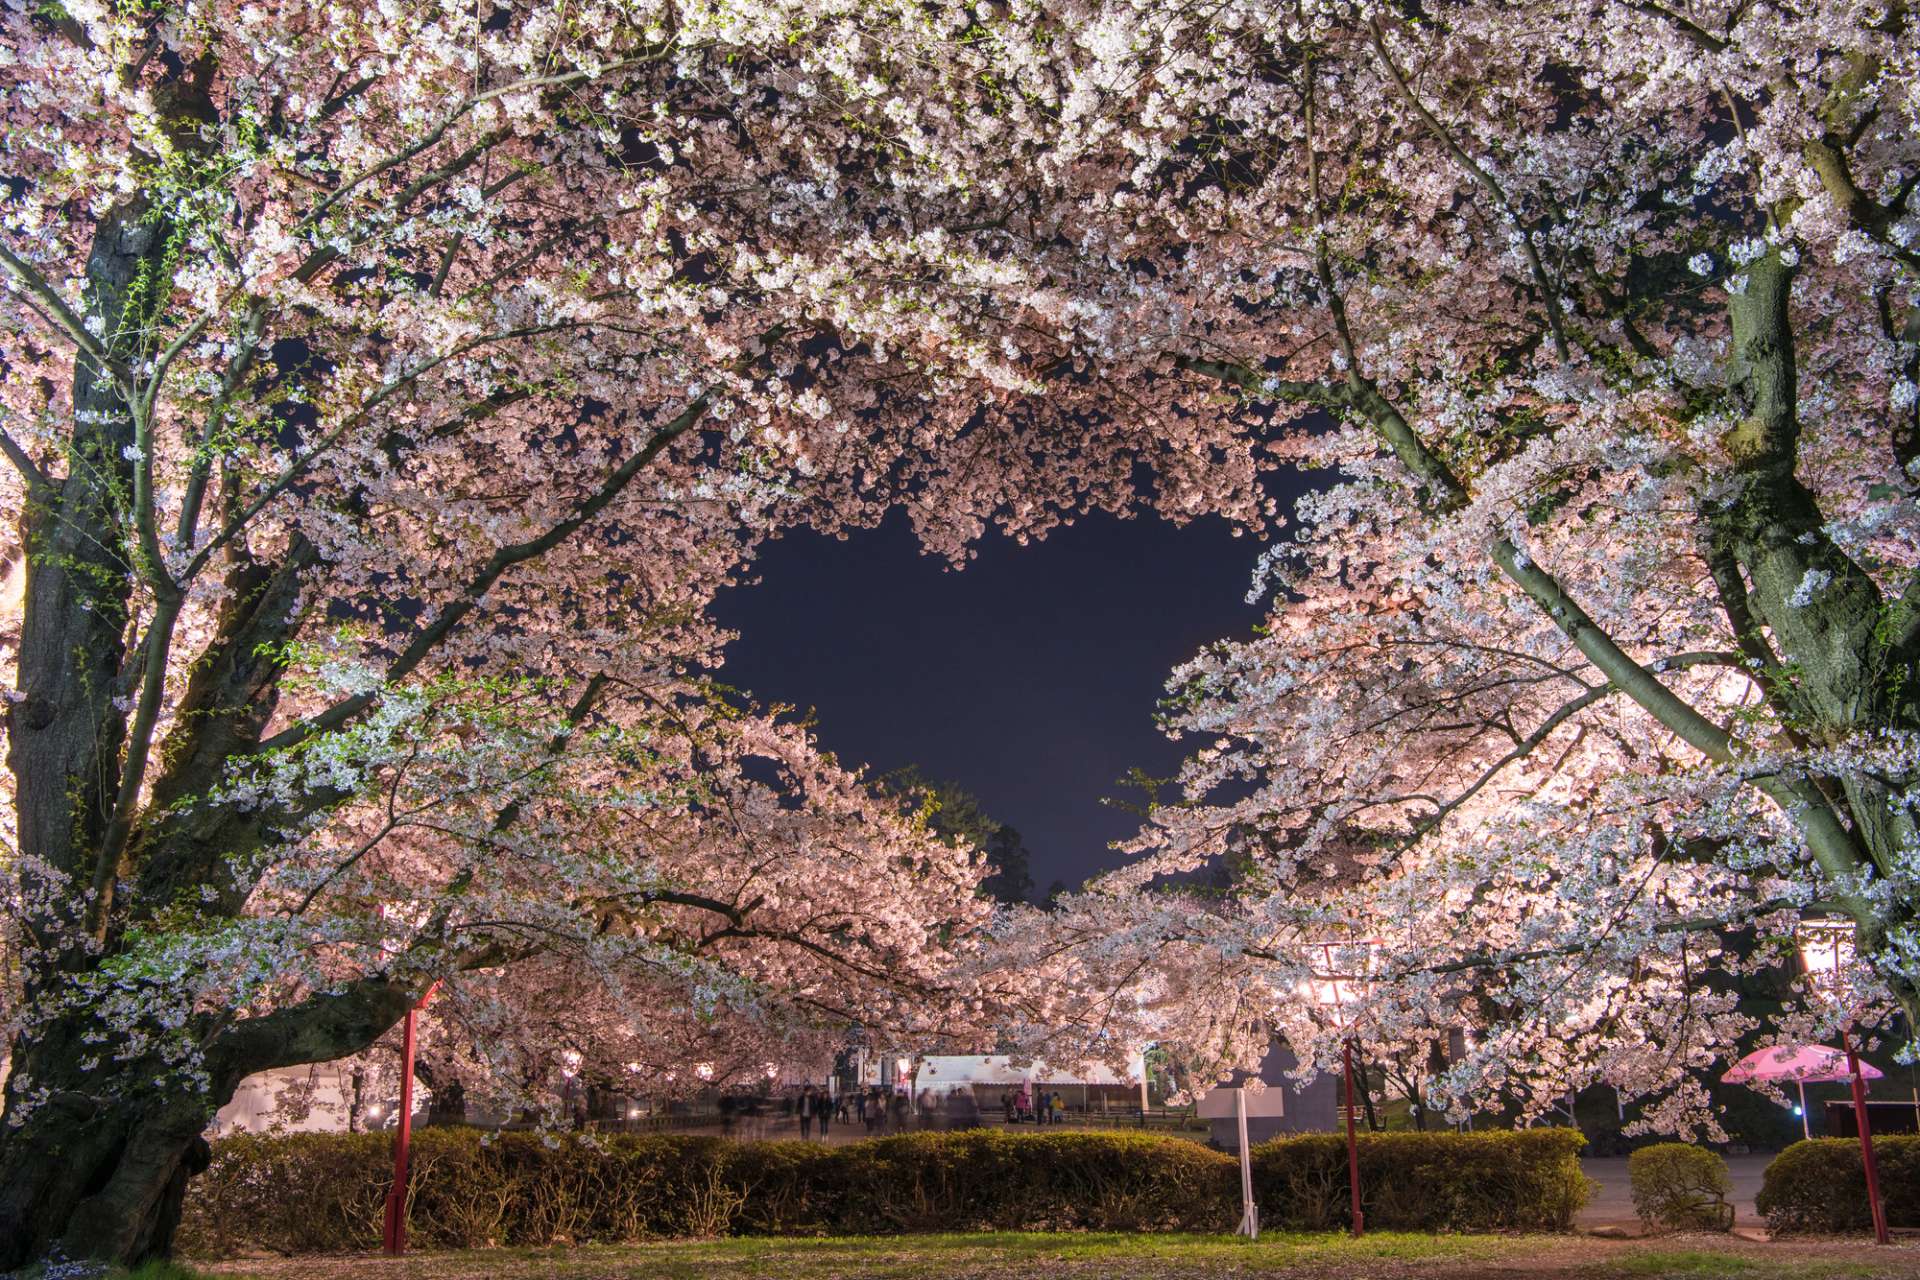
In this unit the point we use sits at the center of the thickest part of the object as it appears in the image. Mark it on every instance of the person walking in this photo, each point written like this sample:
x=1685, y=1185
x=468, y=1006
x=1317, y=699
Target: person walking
x=823, y=1103
x=754, y=1113
x=1059, y=1108
x=806, y=1113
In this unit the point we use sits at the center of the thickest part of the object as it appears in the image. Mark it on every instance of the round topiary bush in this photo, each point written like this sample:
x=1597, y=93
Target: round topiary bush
x=1681, y=1187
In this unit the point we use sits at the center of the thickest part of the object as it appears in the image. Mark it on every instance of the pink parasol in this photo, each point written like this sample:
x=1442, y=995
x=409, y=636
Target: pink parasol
x=1800, y=1063
x=1806, y=1063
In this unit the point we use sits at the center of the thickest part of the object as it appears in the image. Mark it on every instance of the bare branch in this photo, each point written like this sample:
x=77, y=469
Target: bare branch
x=38, y=484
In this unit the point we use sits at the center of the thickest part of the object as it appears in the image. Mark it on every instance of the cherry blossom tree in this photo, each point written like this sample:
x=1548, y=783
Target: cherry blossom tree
x=1591, y=670
x=386, y=392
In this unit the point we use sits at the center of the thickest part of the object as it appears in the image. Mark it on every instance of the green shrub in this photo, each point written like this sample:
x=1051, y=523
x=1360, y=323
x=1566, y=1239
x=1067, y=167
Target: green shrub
x=302, y=1193
x=1681, y=1187
x=310, y=1193
x=1819, y=1187
x=1524, y=1180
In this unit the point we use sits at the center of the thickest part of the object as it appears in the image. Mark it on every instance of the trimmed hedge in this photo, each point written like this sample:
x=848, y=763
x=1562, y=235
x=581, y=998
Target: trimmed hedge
x=1819, y=1187
x=309, y=1193
x=1527, y=1179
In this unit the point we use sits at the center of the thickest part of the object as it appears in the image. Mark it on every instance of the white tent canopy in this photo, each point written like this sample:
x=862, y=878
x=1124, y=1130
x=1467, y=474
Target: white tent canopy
x=953, y=1070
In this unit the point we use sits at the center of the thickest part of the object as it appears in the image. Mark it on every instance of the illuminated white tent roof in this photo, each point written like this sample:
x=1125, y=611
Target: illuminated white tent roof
x=945, y=1071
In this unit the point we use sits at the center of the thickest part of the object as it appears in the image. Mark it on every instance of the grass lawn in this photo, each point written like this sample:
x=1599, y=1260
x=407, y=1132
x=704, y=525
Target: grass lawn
x=1040, y=1256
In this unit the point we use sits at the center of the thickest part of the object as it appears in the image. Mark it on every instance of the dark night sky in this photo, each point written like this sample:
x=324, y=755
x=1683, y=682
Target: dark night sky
x=1030, y=678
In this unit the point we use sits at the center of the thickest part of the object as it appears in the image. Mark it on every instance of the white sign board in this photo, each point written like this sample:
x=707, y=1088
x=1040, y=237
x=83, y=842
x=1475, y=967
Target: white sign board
x=1217, y=1104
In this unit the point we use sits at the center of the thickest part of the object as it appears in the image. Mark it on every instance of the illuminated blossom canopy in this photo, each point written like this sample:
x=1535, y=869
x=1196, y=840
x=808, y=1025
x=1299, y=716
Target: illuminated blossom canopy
x=1589, y=670
x=387, y=392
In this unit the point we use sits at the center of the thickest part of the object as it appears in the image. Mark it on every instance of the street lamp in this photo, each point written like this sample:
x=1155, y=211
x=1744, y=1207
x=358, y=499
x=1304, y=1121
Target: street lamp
x=1329, y=991
x=1827, y=947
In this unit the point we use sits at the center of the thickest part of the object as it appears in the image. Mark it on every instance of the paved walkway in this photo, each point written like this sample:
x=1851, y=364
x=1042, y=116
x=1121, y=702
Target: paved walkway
x=1612, y=1204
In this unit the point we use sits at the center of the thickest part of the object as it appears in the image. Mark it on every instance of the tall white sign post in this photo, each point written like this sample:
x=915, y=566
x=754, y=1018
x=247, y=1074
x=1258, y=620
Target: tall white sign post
x=1250, y=1215
x=1219, y=1104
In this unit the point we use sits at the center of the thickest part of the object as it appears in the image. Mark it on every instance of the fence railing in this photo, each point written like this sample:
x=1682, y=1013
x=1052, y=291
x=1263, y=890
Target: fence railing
x=1161, y=1119
x=1178, y=1118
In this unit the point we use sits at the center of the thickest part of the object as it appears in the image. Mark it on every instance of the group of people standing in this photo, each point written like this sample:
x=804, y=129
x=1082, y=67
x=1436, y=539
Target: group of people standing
x=1041, y=1107
x=875, y=1110
x=878, y=1110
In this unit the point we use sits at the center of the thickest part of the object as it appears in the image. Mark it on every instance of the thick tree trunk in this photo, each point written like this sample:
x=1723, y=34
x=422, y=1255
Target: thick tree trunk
x=98, y=1164
x=109, y=1188
x=85, y=1173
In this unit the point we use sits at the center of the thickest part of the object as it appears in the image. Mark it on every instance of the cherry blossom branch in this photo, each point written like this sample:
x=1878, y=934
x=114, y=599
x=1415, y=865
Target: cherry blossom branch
x=1826, y=155
x=241, y=365
x=576, y=716
x=321, y=258
x=1324, y=394
x=459, y=111
x=322, y=1027
x=295, y=469
x=1681, y=924
x=1549, y=296
x=133, y=771
x=63, y=316
x=1687, y=27
x=169, y=600
x=1833, y=845
x=506, y=557
x=1560, y=715
x=1725, y=571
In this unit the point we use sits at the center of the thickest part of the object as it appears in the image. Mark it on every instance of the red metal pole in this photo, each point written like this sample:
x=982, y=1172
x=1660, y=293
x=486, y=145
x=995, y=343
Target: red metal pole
x=1353, y=1147
x=394, y=1239
x=1874, y=1204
